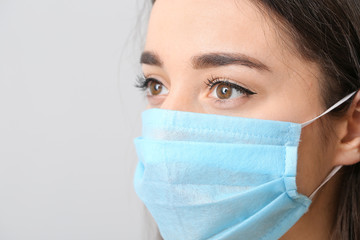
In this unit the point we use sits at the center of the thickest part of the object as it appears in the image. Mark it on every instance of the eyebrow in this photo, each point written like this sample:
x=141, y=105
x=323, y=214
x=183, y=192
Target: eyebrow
x=150, y=58
x=210, y=60
x=223, y=59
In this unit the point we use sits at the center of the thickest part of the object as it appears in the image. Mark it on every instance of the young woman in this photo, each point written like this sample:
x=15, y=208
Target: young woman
x=231, y=146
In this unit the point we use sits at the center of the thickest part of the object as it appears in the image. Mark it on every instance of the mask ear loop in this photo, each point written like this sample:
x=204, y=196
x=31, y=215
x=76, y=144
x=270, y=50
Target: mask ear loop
x=329, y=110
x=337, y=168
x=331, y=174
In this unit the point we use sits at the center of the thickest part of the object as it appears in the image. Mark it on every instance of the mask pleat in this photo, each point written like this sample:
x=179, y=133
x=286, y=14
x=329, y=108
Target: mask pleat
x=210, y=163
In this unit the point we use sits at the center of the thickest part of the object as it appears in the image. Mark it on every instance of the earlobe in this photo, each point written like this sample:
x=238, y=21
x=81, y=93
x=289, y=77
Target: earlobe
x=349, y=147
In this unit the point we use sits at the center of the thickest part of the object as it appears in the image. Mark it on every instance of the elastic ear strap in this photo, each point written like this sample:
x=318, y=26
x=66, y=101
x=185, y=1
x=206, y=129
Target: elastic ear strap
x=331, y=174
x=330, y=109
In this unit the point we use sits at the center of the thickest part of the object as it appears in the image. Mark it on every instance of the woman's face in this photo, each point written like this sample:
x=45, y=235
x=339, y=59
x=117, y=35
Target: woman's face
x=228, y=58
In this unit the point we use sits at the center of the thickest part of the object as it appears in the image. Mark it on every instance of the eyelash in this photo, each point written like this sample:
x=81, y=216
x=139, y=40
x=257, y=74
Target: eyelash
x=142, y=83
x=213, y=81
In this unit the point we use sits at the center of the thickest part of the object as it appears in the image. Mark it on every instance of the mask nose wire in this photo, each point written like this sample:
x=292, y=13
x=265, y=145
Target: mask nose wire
x=329, y=110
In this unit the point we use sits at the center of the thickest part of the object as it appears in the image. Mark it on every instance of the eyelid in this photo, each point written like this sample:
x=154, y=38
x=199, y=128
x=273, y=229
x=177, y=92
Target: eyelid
x=146, y=85
x=158, y=79
x=213, y=81
x=142, y=81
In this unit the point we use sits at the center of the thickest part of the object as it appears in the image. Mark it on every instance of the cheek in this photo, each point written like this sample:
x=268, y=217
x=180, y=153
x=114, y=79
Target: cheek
x=314, y=159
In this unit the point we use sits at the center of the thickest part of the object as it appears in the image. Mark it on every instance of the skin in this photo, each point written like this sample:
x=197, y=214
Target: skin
x=287, y=89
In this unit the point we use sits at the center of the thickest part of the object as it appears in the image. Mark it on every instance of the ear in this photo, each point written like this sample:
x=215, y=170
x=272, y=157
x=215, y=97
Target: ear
x=348, y=151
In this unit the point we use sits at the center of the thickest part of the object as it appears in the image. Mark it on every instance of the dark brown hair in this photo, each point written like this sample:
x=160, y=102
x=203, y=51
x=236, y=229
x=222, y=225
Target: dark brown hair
x=327, y=32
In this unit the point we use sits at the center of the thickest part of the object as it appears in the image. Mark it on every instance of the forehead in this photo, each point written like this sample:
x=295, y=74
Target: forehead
x=185, y=27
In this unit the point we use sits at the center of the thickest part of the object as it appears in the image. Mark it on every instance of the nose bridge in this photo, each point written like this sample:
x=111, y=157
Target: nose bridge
x=182, y=97
x=179, y=101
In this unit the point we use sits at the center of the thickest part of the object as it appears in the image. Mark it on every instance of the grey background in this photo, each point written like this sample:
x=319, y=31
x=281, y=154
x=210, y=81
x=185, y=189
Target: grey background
x=68, y=114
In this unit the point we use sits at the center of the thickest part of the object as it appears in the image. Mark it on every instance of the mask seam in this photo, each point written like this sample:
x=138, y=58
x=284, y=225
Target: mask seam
x=285, y=176
x=229, y=132
x=296, y=200
x=201, y=184
x=235, y=144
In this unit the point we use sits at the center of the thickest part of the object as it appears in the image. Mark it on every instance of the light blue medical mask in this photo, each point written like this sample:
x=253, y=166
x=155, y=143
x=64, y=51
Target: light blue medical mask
x=216, y=177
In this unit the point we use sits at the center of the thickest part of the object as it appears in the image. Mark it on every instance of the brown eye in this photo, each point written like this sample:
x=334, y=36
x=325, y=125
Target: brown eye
x=223, y=91
x=156, y=88
x=226, y=90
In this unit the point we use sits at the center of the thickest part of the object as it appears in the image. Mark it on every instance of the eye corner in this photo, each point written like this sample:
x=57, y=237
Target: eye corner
x=141, y=82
